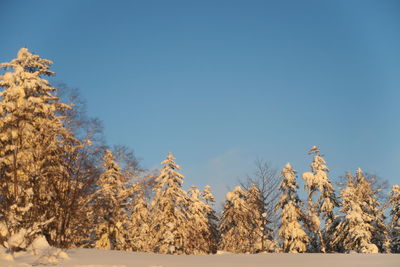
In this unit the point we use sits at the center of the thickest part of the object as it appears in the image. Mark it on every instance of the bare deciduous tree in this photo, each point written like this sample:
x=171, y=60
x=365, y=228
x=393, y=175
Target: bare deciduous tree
x=267, y=180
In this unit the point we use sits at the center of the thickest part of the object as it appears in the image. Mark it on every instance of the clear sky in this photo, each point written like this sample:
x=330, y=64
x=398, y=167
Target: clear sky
x=220, y=83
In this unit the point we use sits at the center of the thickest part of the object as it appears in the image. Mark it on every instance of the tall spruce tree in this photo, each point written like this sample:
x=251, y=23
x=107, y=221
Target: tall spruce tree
x=371, y=206
x=33, y=144
x=139, y=226
x=321, y=201
x=199, y=238
x=233, y=228
x=169, y=215
x=212, y=219
x=294, y=239
x=111, y=206
x=243, y=222
x=355, y=231
x=257, y=219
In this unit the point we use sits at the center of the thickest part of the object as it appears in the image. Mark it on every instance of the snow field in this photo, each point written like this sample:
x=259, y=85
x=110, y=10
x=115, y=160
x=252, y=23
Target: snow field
x=109, y=258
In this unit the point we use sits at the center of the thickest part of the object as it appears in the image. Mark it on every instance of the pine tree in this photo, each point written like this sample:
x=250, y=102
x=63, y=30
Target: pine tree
x=294, y=239
x=212, y=219
x=110, y=209
x=257, y=220
x=200, y=234
x=395, y=222
x=33, y=142
x=169, y=216
x=322, y=208
x=370, y=205
x=354, y=232
x=139, y=227
x=233, y=228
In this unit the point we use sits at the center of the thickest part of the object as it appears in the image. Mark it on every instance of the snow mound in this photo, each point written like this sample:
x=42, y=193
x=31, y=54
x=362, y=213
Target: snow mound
x=39, y=245
x=51, y=256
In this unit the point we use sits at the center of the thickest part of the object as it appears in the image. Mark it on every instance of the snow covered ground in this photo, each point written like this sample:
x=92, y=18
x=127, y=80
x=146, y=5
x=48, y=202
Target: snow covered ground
x=101, y=258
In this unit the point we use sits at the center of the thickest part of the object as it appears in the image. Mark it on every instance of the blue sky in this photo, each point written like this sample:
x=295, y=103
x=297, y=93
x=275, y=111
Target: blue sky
x=220, y=83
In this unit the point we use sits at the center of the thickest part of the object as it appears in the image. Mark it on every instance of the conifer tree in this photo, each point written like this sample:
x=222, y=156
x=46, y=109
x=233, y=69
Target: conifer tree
x=139, y=226
x=317, y=181
x=257, y=219
x=169, y=216
x=354, y=232
x=110, y=209
x=212, y=219
x=395, y=222
x=294, y=239
x=233, y=228
x=370, y=205
x=200, y=235
x=33, y=143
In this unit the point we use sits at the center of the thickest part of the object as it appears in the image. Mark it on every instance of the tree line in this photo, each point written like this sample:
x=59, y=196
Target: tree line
x=58, y=179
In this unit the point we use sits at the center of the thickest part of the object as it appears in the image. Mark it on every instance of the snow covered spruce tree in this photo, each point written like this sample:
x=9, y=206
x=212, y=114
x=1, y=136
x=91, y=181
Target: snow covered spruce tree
x=260, y=235
x=354, y=232
x=169, y=227
x=233, y=224
x=321, y=202
x=212, y=219
x=110, y=214
x=33, y=142
x=139, y=226
x=395, y=222
x=200, y=235
x=371, y=206
x=294, y=239
x=243, y=221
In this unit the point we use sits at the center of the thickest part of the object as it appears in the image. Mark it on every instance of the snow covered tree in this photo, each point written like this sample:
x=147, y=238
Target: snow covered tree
x=33, y=144
x=139, y=226
x=169, y=226
x=355, y=231
x=110, y=208
x=257, y=220
x=243, y=221
x=267, y=180
x=395, y=222
x=233, y=227
x=317, y=181
x=212, y=219
x=200, y=234
x=370, y=205
x=294, y=239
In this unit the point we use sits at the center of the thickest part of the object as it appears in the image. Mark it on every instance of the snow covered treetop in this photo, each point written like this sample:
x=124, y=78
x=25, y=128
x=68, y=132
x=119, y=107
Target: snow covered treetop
x=29, y=62
x=207, y=195
x=239, y=190
x=288, y=172
x=24, y=84
x=289, y=178
x=108, y=160
x=359, y=174
x=171, y=161
x=235, y=194
x=194, y=192
x=314, y=150
x=170, y=156
x=169, y=175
